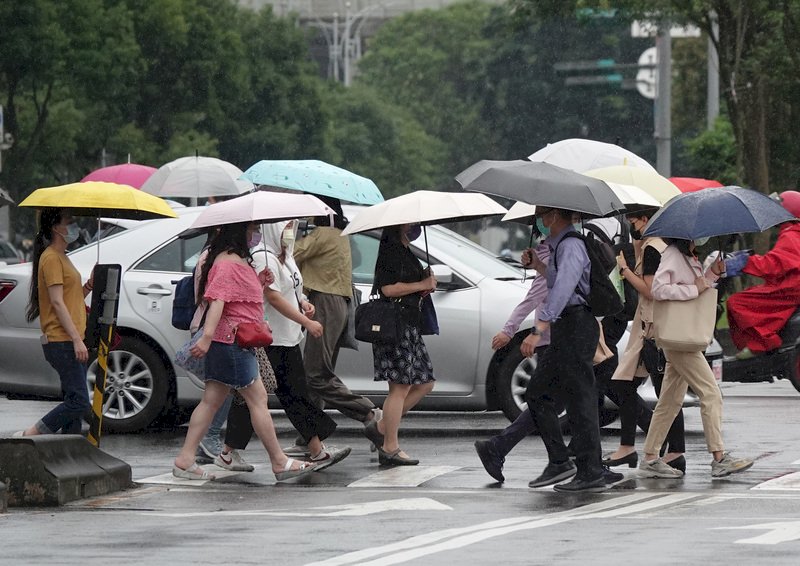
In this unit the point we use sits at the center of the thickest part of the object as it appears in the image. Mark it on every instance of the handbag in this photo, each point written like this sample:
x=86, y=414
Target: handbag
x=685, y=326
x=253, y=334
x=378, y=321
x=185, y=359
x=429, y=322
x=652, y=357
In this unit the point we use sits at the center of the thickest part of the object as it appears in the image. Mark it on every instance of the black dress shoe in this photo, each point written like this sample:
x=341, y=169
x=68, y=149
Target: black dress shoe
x=373, y=434
x=491, y=460
x=595, y=485
x=678, y=463
x=631, y=459
x=611, y=477
x=394, y=458
x=554, y=473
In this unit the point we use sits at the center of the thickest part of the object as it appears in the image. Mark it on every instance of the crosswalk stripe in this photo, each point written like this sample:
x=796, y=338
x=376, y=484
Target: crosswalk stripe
x=789, y=482
x=403, y=476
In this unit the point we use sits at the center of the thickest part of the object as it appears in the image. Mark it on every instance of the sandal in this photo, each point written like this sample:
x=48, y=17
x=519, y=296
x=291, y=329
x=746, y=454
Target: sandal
x=193, y=472
x=289, y=473
x=394, y=458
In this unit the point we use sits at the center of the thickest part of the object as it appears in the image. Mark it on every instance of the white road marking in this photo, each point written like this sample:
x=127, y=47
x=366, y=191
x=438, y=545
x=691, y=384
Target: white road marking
x=169, y=479
x=785, y=531
x=349, y=510
x=796, y=463
x=438, y=541
x=789, y=482
x=403, y=476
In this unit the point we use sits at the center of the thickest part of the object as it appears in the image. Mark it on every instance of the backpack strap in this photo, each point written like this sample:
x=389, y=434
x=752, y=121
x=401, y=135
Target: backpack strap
x=599, y=233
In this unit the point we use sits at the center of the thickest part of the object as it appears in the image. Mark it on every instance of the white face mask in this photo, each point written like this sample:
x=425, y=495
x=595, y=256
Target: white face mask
x=73, y=233
x=287, y=237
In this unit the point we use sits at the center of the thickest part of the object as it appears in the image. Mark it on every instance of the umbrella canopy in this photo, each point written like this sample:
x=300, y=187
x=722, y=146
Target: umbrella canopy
x=727, y=210
x=96, y=198
x=131, y=174
x=542, y=184
x=196, y=177
x=649, y=181
x=261, y=206
x=5, y=198
x=315, y=177
x=692, y=184
x=582, y=155
x=423, y=207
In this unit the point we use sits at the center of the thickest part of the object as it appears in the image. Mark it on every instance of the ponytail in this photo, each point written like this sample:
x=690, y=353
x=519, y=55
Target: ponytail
x=48, y=218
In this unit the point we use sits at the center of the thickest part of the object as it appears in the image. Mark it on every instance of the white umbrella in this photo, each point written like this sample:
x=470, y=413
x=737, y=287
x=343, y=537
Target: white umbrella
x=196, y=177
x=5, y=198
x=583, y=155
x=424, y=207
x=261, y=206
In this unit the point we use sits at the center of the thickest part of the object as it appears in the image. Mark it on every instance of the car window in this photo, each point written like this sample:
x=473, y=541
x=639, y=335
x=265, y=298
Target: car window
x=6, y=250
x=364, y=249
x=177, y=256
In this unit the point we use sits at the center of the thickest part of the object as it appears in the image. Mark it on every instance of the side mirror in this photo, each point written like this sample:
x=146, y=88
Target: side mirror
x=443, y=273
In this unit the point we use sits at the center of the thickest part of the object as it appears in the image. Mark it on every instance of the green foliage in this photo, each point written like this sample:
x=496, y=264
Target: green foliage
x=712, y=154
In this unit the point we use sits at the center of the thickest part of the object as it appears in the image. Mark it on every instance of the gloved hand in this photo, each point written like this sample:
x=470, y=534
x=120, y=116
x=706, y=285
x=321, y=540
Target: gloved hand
x=735, y=263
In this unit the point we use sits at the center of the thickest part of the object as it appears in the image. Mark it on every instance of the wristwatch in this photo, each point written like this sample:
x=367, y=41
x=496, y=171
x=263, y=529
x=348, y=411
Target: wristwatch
x=535, y=332
x=621, y=269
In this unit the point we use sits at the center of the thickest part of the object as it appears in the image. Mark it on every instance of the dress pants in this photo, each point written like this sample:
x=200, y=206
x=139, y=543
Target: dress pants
x=565, y=373
x=686, y=369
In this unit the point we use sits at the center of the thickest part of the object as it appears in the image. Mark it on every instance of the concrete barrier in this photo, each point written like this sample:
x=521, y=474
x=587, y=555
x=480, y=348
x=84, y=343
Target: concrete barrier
x=49, y=470
x=3, y=498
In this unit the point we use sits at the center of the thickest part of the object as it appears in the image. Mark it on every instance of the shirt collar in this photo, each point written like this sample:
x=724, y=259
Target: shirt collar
x=553, y=240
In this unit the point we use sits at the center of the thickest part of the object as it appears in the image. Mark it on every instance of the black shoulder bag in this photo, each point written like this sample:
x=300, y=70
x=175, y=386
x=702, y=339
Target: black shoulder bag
x=378, y=321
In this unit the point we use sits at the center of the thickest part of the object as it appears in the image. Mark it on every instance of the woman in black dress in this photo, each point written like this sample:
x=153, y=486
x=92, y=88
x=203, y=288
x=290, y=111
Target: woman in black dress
x=406, y=364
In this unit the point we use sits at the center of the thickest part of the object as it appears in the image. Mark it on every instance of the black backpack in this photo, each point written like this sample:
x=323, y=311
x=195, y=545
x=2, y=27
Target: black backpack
x=603, y=299
x=183, y=305
x=631, y=295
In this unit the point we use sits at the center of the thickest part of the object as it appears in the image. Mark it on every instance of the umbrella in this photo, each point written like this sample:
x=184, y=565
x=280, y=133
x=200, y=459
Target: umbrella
x=649, y=181
x=691, y=184
x=582, y=155
x=315, y=177
x=131, y=174
x=424, y=207
x=727, y=210
x=5, y=198
x=96, y=198
x=260, y=206
x=542, y=184
x=196, y=177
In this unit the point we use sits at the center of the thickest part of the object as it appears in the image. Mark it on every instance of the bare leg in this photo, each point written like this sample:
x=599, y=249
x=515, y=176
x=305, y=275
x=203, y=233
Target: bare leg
x=256, y=398
x=415, y=395
x=203, y=414
x=392, y=414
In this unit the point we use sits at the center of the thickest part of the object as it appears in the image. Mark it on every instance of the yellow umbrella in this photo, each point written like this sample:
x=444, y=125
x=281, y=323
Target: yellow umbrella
x=97, y=198
x=651, y=182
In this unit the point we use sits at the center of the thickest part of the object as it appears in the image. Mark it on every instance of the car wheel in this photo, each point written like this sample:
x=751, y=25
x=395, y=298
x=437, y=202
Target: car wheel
x=136, y=386
x=794, y=370
x=513, y=377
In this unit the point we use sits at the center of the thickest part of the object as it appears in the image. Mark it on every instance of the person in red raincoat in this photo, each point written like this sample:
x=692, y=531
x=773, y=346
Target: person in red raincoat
x=758, y=314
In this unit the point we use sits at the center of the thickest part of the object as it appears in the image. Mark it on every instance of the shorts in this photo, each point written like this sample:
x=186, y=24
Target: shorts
x=231, y=365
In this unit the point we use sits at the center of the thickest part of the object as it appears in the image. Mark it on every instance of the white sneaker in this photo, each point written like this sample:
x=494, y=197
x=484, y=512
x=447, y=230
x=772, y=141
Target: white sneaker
x=729, y=465
x=658, y=469
x=297, y=451
x=233, y=461
x=329, y=456
x=377, y=414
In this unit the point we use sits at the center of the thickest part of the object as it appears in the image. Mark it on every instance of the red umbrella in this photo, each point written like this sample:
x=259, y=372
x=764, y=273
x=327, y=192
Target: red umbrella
x=692, y=184
x=131, y=174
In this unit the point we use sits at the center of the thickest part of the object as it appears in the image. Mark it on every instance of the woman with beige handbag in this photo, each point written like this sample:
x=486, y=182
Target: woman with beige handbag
x=683, y=324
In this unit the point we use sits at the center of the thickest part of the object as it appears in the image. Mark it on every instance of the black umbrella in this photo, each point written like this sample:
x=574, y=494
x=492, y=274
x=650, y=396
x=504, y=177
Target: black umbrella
x=541, y=184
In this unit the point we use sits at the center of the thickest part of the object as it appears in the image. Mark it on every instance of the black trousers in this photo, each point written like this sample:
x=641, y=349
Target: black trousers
x=292, y=392
x=565, y=373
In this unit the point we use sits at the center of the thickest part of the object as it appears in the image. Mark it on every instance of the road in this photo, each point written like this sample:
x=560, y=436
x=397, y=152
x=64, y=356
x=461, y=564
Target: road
x=447, y=510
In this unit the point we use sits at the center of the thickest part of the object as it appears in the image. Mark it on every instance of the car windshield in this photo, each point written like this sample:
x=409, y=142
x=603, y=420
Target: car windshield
x=473, y=255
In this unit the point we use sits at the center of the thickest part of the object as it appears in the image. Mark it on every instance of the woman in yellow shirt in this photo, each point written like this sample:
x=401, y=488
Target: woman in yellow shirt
x=57, y=298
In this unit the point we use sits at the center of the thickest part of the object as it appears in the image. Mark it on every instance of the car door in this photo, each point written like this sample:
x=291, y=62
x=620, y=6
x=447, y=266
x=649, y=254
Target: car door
x=453, y=352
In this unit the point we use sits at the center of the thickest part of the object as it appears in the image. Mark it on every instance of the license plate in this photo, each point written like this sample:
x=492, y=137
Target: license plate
x=716, y=368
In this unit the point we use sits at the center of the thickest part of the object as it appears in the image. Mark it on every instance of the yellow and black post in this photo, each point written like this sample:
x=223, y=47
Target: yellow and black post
x=100, y=330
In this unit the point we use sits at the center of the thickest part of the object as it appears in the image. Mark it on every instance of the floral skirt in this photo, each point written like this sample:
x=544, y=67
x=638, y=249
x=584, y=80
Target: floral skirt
x=407, y=362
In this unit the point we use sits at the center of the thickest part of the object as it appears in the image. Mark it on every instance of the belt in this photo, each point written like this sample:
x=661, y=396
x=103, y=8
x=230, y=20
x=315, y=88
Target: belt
x=573, y=309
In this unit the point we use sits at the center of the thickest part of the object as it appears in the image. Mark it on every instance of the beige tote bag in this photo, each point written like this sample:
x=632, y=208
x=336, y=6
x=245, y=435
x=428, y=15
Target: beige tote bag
x=685, y=326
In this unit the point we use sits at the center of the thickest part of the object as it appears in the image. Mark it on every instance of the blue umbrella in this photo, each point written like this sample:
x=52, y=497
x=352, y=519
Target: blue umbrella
x=314, y=177
x=716, y=212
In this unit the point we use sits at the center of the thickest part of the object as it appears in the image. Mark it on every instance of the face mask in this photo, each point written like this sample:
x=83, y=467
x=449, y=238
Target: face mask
x=414, y=232
x=701, y=241
x=578, y=227
x=543, y=230
x=254, y=240
x=73, y=233
x=287, y=237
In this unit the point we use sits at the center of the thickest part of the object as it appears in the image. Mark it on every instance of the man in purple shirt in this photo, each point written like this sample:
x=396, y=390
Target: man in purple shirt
x=565, y=370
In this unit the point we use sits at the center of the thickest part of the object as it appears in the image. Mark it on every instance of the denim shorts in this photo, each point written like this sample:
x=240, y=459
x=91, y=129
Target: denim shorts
x=231, y=365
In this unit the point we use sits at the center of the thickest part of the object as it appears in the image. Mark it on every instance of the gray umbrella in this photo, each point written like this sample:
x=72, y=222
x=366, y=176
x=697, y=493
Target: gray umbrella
x=5, y=198
x=541, y=184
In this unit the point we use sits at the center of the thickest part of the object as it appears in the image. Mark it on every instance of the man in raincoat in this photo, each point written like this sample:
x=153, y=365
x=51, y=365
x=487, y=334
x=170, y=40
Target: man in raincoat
x=758, y=314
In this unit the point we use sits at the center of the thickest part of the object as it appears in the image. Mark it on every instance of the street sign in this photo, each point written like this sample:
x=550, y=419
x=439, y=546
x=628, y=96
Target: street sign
x=593, y=80
x=645, y=28
x=646, y=78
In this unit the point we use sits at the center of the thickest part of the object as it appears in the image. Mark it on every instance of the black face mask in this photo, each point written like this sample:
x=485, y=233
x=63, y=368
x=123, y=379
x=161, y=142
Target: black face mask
x=636, y=234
